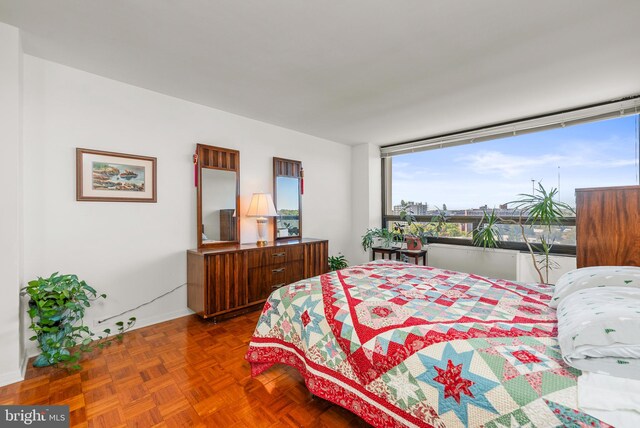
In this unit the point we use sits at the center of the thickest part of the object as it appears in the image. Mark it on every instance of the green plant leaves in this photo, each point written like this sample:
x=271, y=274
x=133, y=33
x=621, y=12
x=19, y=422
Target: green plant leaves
x=541, y=207
x=387, y=236
x=337, y=262
x=406, y=214
x=486, y=234
x=56, y=308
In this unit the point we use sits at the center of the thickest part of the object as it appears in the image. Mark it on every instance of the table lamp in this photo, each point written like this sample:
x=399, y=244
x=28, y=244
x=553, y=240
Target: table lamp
x=261, y=206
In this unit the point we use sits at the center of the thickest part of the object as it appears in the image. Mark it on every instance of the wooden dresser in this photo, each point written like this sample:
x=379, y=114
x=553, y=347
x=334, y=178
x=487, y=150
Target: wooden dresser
x=608, y=226
x=233, y=279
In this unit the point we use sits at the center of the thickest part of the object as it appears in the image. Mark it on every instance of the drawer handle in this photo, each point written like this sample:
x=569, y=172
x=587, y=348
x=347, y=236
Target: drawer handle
x=275, y=287
x=277, y=270
x=279, y=254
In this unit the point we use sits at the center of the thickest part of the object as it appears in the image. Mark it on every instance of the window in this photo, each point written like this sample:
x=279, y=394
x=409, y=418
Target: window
x=463, y=181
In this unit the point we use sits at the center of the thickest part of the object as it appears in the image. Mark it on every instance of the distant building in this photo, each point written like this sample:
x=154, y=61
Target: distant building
x=415, y=208
x=422, y=209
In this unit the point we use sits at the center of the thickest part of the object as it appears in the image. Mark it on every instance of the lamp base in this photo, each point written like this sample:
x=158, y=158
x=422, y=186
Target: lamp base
x=262, y=231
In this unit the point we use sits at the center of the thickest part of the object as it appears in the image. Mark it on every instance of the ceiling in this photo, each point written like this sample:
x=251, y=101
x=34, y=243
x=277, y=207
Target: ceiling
x=353, y=71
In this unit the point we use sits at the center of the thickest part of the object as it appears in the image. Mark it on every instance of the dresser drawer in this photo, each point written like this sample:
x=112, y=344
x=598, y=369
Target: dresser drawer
x=275, y=256
x=295, y=271
x=264, y=280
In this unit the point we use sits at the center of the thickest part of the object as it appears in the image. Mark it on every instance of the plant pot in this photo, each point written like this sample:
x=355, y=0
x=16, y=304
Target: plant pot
x=413, y=243
x=384, y=243
x=50, y=342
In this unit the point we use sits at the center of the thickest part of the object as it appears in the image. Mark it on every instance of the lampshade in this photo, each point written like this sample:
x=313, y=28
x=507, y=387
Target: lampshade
x=261, y=206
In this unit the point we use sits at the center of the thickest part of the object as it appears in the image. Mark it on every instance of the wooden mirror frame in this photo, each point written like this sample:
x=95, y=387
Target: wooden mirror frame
x=287, y=168
x=211, y=157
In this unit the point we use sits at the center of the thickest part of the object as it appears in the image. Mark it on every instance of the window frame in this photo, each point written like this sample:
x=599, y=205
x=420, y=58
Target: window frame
x=560, y=249
x=592, y=113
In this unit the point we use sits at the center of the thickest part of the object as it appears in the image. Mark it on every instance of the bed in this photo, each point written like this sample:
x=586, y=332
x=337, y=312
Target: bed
x=406, y=345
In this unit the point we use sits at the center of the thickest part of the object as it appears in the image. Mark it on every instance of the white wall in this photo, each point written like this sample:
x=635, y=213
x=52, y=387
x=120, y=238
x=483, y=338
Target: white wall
x=561, y=265
x=366, y=204
x=495, y=262
x=491, y=262
x=136, y=251
x=10, y=202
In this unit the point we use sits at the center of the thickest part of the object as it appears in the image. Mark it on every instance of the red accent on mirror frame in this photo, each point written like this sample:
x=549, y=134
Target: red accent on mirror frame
x=302, y=181
x=195, y=169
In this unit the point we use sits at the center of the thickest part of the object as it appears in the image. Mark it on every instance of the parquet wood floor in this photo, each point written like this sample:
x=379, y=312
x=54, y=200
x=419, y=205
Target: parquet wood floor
x=187, y=372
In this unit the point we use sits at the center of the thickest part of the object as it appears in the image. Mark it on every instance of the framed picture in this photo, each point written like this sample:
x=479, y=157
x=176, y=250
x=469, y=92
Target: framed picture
x=115, y=177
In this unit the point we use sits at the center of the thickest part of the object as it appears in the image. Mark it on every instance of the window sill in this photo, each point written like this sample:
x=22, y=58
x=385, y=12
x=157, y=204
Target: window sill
x=568, y=250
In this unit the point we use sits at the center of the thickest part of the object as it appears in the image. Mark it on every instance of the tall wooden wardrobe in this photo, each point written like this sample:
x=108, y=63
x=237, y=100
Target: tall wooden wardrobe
x=608, y=226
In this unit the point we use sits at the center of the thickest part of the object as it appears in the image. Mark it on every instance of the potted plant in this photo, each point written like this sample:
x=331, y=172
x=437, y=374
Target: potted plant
x=411, y=239
x=414, y=235
x=417, y=235
x=413, y=243
x=543, y=211
x=337, y=262
x=380, y=236
x=57, y=306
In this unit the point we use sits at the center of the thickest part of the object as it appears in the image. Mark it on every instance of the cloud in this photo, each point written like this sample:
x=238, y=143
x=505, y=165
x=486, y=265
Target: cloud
x=413, y=171
x=510, y=166
x=474, y=175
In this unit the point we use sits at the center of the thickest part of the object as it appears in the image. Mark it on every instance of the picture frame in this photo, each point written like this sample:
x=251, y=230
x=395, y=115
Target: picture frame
x=115, y=177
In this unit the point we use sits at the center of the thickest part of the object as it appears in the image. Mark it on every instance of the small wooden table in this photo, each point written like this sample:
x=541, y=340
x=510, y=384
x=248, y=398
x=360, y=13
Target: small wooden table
x=413, y=254
x=381, y=250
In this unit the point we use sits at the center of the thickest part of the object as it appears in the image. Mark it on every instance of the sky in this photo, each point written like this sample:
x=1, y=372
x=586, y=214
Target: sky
x=288, y=193
x=595, y=154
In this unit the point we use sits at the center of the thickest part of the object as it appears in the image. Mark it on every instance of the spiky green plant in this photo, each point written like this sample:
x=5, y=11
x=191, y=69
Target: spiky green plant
x=486, y=234
x=541, y=207
x=541, y=210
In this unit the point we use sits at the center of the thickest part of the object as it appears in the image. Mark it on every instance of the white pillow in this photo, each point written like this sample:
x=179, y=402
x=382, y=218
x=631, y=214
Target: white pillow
x=594, y=276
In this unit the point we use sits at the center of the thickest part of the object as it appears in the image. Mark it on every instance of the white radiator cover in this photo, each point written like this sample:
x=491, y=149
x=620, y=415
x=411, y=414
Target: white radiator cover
x=526, y=272
x=493, y=262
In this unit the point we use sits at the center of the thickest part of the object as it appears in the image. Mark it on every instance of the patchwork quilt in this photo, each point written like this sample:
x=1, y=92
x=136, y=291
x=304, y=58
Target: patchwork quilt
x=407, y=345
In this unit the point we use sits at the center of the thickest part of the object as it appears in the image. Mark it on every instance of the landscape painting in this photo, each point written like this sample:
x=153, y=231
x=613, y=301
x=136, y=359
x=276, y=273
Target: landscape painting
x=115, y=177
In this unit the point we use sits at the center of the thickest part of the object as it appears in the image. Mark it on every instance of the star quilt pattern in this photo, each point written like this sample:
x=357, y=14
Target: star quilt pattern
x=407, y=345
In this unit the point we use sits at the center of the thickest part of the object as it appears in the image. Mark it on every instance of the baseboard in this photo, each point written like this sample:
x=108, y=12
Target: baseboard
x=145, y=322
x=24, y=363
x=11, y=377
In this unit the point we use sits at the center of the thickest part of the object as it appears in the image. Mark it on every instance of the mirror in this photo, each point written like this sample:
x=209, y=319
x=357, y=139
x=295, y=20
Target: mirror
x=218, y=195
x=287, y=176
x=218, y=205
